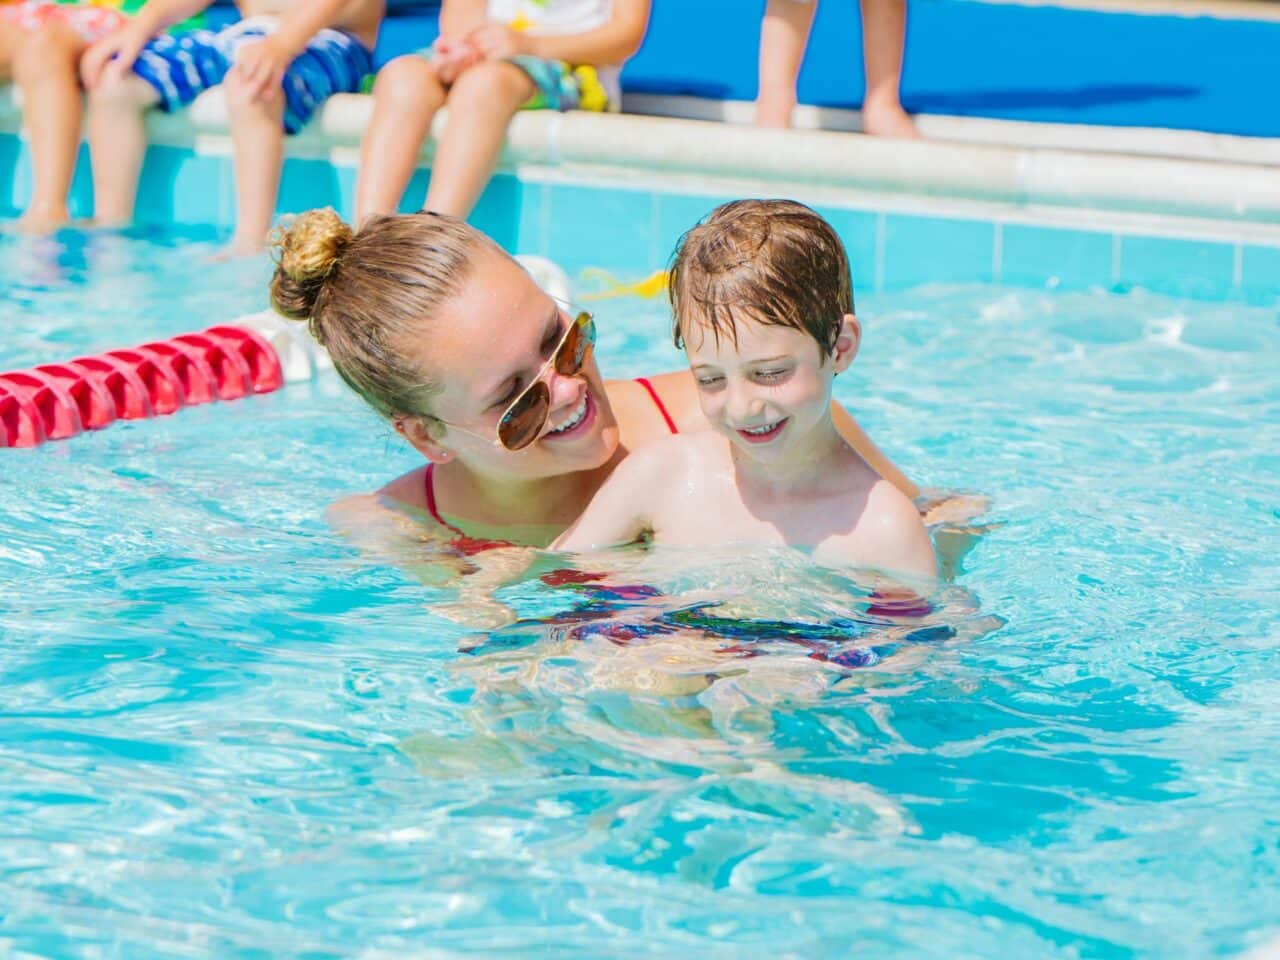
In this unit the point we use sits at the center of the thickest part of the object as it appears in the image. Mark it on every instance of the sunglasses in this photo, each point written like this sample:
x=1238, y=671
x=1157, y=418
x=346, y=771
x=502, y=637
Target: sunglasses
x=526, y=415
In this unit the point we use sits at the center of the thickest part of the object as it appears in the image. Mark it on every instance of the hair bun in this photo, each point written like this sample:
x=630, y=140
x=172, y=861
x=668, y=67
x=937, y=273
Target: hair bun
x=306, y=251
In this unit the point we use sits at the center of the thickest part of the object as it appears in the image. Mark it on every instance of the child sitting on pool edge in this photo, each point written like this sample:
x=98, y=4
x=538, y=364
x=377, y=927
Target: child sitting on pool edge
x=763, y=306
x=277, y=66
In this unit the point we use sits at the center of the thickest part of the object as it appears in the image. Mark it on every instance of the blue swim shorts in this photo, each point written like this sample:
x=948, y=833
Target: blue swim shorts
x=182, y=66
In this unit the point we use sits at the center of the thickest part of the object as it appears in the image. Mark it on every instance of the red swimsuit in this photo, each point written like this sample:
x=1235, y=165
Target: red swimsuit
x=469, y=545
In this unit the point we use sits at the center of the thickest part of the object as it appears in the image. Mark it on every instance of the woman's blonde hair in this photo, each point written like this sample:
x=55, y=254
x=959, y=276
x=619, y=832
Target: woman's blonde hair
x=366, y=295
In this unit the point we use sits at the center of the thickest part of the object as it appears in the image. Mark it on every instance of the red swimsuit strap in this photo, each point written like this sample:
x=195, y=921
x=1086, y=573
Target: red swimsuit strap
x=657, y=402
x=430, y=488
x=467, y=544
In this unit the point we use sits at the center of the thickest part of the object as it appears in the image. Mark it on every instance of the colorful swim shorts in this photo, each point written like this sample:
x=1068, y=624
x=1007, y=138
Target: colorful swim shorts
x=557, y=85
x=182, y=66
x=91, y=22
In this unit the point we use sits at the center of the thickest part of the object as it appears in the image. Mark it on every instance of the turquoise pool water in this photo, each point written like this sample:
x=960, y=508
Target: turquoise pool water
x=225, y=732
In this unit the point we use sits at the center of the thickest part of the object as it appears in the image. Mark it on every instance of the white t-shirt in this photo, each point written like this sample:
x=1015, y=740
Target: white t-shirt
x=550, y=17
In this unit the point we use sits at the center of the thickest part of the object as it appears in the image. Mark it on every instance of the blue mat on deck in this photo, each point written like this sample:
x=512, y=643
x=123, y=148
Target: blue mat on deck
x=1046, y=64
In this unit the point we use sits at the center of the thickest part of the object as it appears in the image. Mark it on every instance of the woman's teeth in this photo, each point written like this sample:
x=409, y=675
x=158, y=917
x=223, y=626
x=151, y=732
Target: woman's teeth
x=761, y=430
x=575, y=418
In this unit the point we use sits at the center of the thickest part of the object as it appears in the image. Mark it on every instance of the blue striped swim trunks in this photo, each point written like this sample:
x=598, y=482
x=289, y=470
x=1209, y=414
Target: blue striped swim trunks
x=182, y=66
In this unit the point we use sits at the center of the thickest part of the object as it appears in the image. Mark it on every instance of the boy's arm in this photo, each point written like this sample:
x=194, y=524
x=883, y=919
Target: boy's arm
x=609, y=44
x=620, y=511
x=262, y=65
x=303, y=22
x=459, y=17
x=159, y=15
x=114, y=55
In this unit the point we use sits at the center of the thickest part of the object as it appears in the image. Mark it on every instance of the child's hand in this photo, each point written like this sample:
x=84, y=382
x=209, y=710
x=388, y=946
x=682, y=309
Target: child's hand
x=111, y=57
x=497, y=41
x=262, y=66
x=451, y=57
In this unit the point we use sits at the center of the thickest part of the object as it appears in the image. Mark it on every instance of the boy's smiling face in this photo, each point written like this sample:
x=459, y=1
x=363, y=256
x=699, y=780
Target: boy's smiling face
x=770, y=390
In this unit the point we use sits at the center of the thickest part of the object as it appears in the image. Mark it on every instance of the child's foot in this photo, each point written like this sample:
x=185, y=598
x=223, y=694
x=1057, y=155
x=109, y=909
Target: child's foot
x=41, y=220
x=884, y=118
x=241, y=247
x=774, y=112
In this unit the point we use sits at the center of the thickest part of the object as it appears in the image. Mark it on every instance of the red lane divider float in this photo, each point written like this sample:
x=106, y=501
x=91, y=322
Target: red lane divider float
x=256, y=353
x=58, y=400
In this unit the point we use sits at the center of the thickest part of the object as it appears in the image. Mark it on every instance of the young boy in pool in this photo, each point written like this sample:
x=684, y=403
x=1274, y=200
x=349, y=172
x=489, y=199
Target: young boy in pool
x=763, y=308
x=277, y=65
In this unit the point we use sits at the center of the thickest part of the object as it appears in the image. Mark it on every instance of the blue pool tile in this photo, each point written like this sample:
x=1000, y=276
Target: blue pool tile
x=531, y=231
x=1261, y=274
x=497, y=212
x=169, y=174
x=1048, y=256
x=677, y=212
x=307, y=184
x=936, y=250
x=1185, y=268
x=601, y=227
x=345, y=184
x=203, y=190
x=859, y=230
x=10, y=156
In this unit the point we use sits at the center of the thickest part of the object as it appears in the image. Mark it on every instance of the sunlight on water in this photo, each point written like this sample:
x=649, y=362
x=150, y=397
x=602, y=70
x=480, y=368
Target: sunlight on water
x=226, y=732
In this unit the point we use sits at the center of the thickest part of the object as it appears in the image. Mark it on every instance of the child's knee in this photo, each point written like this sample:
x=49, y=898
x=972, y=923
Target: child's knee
x=51, y=49
x=125, y=92
x=243, y=99
x=409, y=83
x=493, y=81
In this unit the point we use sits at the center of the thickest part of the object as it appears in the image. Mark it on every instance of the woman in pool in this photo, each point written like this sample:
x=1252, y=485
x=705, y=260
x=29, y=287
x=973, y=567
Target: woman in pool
x=445, y=335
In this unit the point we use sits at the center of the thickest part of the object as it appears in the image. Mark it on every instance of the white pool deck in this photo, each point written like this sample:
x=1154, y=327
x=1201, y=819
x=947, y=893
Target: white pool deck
x=1186, y=183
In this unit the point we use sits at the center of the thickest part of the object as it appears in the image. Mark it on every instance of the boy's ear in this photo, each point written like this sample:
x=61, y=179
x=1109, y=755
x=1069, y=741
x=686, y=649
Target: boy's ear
x=847, y=342
x=419, y=431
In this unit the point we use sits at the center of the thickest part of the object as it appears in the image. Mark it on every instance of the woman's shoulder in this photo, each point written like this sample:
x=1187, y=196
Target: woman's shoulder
x=648, y=408
x=409, y=489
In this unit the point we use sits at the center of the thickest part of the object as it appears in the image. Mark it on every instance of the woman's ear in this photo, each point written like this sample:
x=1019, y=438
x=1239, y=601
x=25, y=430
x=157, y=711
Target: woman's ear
x=847, y=342
x=419, y=432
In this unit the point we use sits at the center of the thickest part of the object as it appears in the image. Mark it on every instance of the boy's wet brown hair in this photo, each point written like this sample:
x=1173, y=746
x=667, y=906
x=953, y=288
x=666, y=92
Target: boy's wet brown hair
x=774, y=262
x=366, y=296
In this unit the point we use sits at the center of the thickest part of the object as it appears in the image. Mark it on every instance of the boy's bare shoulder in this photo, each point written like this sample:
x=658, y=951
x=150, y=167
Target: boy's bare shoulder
x=889, y=511
x=666, y=457
x=892, y=535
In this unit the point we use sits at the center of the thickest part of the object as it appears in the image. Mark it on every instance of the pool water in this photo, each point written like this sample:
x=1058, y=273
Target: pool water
x=225, y=731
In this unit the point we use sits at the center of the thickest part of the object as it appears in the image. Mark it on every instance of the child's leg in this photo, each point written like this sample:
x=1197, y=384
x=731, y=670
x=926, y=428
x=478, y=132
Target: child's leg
x=45, y=69
x=481, y=105
x=257, y=138
x=406, y=96
x=884, y=27
x=784, y=34
x=8, y=50
x=118, y=145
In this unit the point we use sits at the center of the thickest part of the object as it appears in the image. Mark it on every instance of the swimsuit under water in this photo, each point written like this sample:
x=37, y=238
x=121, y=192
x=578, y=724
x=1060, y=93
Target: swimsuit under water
x=624, y=613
